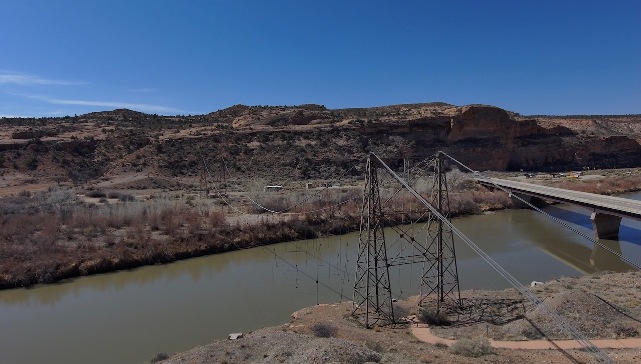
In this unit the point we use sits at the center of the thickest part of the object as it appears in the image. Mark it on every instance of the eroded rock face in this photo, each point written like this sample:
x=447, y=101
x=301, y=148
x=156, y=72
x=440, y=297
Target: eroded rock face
x=313, y=142
x=489, y=138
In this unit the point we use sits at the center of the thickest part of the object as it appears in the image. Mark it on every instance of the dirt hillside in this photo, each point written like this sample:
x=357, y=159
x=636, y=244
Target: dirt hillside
x=280, y=143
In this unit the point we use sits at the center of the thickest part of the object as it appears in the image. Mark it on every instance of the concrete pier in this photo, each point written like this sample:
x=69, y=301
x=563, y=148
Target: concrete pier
x=520, y=200
x=605, y=226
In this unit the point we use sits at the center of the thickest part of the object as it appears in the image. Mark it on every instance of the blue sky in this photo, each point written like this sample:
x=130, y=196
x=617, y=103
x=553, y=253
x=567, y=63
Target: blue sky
x=69, y=57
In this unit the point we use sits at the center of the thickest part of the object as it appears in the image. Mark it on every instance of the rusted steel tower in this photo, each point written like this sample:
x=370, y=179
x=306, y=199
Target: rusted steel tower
x=372, y=292
x=439, y=281
x=440, y=275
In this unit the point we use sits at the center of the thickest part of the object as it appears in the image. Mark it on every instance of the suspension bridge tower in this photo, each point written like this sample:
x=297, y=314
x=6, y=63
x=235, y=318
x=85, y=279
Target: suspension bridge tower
x=439, y=281
x=372, y=291
x=440, y=284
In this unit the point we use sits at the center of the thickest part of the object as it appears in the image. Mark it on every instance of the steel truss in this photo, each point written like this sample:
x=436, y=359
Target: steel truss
x=372, y=292
x=440, y=284
x=439, y=281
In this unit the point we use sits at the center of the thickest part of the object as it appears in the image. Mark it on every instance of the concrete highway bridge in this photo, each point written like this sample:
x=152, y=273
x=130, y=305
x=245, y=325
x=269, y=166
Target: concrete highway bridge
x=607, y=211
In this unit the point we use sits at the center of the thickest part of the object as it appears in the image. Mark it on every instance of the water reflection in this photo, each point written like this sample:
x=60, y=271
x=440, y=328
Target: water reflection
x=578, y=252
x=128, y=316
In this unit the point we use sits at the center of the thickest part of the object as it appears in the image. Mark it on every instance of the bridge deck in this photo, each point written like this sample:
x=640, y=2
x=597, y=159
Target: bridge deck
x=618, y=206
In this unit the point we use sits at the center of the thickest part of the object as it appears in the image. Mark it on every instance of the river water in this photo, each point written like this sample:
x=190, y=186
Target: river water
x=128, y=316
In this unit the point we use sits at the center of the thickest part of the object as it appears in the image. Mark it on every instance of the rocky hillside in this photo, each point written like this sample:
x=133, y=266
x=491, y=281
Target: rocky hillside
x=309, y=141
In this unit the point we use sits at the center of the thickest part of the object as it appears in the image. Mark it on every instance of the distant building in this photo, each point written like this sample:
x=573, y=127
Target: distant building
x=273, y=188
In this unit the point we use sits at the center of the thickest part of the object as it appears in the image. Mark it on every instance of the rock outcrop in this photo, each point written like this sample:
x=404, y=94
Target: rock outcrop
x=311, y=141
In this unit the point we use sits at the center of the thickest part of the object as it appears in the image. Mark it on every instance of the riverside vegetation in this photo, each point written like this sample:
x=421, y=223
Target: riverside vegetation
x=57, y=234
x=111, y=190
x=62, y=233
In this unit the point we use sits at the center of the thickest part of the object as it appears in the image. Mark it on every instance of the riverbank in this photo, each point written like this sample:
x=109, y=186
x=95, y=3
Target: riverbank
x=328, y=333
x=47, y=238
x=59, y=234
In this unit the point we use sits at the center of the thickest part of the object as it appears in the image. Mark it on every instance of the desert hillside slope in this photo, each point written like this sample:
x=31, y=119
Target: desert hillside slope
x=309, y=141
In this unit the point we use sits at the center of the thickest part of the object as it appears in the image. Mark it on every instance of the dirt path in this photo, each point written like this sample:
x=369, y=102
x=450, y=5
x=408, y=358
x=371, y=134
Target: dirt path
x=423, y=333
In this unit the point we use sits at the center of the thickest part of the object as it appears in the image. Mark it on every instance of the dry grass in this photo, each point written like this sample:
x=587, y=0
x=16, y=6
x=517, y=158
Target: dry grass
x=607, y=186
x=49, y=236
x=472, y=348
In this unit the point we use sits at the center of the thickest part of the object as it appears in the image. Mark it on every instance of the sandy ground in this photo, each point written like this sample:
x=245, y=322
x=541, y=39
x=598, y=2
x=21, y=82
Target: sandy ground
x=350, y=342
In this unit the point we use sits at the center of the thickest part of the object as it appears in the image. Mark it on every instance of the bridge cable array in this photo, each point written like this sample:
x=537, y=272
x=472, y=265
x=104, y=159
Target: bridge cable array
x=561, y=322
x=531, y=296
x=555, y=219
x=286, y=210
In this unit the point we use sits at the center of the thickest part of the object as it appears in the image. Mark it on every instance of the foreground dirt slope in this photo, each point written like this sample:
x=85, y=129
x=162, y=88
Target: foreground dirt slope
x=305, y=142
x=296, y=342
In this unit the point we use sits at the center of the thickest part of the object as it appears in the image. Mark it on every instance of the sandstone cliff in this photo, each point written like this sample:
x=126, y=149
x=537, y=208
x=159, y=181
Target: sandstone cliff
x=311, y=141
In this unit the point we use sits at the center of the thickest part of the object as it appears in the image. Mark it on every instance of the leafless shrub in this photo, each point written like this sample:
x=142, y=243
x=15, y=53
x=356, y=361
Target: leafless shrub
x=532, y=333
x=138, y=233
x=121, y=196
x=431, y=317
x=24, y=193
x=159, y=357
x=216, y=220
x=61, y=202
x=608, y=186
x=459, y=181
x=350, y=209
x=19, y=228
x=623, y=331
x=324, y=329
x=276, y=203
x=374, y=345
x=400, y=311
x=463, y=204
x=472, y=348
x=171, y=221
x=96, y=194
x=192, y=219
x=154, y=220
x=49, y=227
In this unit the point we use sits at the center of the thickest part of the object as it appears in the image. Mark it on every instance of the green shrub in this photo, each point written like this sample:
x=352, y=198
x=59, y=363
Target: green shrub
x=472, y=348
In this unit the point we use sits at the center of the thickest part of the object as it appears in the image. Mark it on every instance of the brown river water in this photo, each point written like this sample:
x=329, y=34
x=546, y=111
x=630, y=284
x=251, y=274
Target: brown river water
x=128, y=316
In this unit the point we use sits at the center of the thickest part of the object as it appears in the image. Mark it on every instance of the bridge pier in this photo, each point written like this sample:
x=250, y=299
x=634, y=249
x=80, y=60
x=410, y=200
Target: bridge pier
x=605, y=226
x=521, y=200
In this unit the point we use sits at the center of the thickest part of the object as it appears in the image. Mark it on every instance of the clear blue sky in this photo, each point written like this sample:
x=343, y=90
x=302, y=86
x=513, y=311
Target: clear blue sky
x=68, y=57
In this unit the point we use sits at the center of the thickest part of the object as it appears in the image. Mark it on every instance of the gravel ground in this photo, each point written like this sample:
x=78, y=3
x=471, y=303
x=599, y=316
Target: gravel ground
x=602, y=306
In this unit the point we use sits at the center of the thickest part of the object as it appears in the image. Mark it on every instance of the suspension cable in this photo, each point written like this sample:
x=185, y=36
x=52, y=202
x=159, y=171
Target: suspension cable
x=531, y=296
x=312, y=196
x=479, y=175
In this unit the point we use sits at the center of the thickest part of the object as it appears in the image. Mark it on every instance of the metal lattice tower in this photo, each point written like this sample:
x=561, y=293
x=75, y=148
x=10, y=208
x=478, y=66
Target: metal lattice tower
x=372, y=291
x=204, y=184
x=440, y=275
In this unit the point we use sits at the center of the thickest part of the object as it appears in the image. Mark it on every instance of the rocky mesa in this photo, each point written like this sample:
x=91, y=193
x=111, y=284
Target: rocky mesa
x=309, y=141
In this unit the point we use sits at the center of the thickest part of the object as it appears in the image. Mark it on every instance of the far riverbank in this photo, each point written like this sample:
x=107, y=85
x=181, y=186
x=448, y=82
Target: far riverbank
x=51, y=237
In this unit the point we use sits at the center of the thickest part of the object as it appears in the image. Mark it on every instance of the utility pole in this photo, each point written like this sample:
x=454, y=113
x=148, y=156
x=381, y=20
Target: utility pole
x=203, y=177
